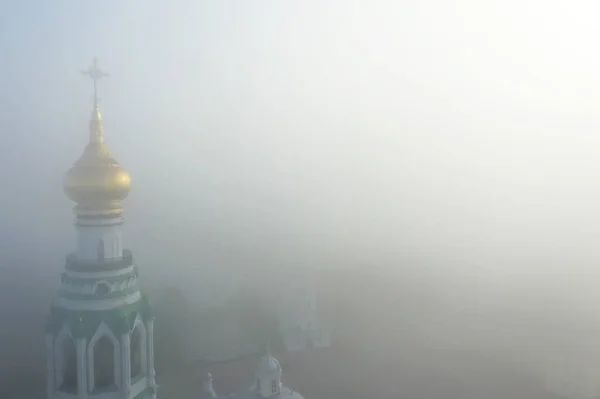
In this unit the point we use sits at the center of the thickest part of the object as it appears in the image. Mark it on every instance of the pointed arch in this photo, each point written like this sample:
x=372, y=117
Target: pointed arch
x=65, y=358
x=274, y=387
x=138, y=352
x=104, y=363
x=69, y=380
x=104, y=366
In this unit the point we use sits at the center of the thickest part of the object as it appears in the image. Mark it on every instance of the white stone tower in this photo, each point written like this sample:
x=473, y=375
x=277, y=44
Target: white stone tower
x=99, y=334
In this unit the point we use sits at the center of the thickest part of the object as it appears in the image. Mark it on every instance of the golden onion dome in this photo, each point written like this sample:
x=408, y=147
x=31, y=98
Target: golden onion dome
x=97, y=178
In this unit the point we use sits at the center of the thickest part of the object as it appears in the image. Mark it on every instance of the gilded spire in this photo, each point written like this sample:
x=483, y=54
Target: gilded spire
x=97, y=182
x=96, y=129
x=95, y=74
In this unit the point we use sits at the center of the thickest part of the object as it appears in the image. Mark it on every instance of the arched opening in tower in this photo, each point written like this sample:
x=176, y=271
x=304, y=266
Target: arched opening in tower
x=104, y=363
x=100, y=251
x=69, y=377
x=136, y=352
x=274, y=386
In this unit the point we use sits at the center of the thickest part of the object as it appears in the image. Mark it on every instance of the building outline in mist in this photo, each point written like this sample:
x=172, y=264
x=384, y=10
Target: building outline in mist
x=100, y=330
x=99, y=333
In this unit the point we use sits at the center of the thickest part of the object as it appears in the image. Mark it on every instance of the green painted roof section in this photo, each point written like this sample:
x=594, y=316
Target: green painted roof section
x=84, y=324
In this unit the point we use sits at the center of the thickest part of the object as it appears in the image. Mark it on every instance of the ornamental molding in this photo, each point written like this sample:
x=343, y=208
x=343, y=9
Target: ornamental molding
x=100, y=288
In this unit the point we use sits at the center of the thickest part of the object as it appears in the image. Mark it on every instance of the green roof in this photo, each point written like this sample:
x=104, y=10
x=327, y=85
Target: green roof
x=85, y=323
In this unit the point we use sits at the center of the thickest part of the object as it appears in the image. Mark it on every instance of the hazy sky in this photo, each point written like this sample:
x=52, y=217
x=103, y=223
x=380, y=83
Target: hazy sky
x=329, y=131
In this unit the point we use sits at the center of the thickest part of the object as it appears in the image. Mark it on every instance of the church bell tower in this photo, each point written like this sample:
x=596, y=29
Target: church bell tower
x=99, y=333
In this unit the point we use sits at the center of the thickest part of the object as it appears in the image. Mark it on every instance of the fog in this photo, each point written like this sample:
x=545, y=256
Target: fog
x=449, y=145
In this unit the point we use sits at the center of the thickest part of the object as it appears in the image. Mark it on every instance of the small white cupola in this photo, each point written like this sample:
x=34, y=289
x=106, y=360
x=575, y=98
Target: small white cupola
x=268, y=375
x=207, y=387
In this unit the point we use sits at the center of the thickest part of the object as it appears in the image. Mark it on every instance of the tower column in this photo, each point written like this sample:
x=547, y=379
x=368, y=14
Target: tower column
x=82, y=389
x=126, y=362
x=50, y=377
x=100, y=240
x=150, y=350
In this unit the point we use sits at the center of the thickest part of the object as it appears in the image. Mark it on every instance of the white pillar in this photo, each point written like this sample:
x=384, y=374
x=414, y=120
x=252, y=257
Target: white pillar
x=82, y=389
x=50, y=377
x=126, y=364
x=150, y=351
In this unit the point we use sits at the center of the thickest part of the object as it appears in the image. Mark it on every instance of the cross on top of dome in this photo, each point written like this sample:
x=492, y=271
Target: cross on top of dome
x=95, y=74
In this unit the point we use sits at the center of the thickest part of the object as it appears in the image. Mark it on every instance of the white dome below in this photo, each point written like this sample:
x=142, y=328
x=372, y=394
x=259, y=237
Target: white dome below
x=268, y=365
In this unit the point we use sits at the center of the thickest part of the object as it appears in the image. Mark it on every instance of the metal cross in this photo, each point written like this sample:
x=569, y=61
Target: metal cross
x=96, y=74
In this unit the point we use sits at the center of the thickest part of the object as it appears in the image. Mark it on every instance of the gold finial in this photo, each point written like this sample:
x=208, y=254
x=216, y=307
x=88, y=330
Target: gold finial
x=97, y=183
x=95, y=74
x=96, y=130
